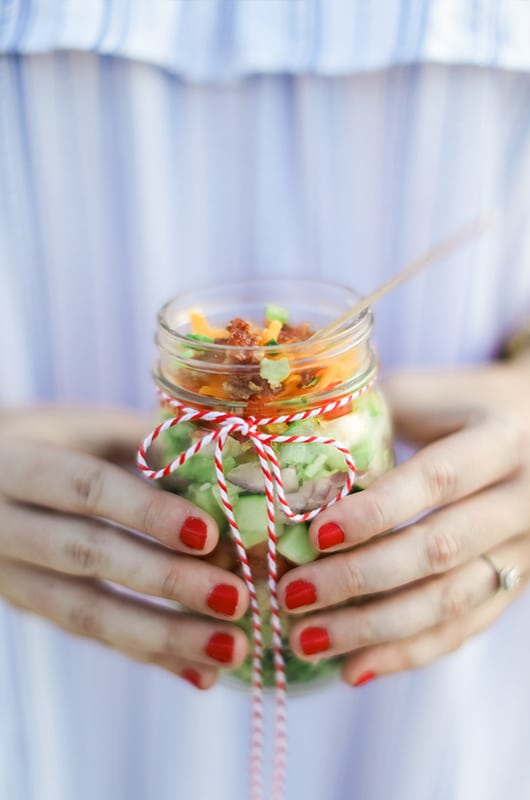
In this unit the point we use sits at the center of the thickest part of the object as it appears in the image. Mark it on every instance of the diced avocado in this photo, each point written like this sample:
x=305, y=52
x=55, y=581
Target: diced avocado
x=250, y=511
x=274, y=370
x=272, y=312
x=294, y=544
x=203, y=497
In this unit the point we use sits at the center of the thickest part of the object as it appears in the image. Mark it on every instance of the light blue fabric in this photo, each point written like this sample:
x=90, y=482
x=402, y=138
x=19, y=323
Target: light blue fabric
x=122, y=184
x=226, y=39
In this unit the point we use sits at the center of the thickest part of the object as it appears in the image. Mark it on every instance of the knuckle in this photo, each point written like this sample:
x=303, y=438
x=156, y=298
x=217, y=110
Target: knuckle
x=88, y=488
x=454, y=602
x=374, y=512
x=404, y=656
x=441, y=481
x=171, y=581
x=364, y=630
x=86, y=619
x=515, y=435
x=85, y=556
x=171, y=639
x=151, y=517
x=454, y=640
x=354, y=577
x=442, y=551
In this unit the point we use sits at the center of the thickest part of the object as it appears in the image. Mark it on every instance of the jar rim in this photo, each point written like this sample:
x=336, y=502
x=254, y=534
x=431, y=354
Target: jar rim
x=354, y=331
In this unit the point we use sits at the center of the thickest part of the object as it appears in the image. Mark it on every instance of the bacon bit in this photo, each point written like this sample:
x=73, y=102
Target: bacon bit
x=243, y=388
x=298, y=333
x=240, y=335
x=307, y=378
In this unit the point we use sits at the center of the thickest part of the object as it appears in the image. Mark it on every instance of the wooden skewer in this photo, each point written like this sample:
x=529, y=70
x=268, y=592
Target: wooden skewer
x=436, y=253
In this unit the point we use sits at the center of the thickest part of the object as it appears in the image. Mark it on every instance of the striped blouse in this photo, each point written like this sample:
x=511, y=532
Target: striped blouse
x=153, y=146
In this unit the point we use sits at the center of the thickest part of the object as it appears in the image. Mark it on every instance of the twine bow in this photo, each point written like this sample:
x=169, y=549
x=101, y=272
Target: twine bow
x=250, y=428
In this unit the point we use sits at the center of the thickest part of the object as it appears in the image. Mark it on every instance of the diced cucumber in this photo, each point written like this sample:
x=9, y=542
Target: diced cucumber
x=363, y=453
x=203, y=497
x=316, y=466
x=299, y=454
x=200, y=468
x=302, y=427
x=178, y=438
x=250, y=511
x=371, y=402
x=335, y=461
x=233, y=495
x=294, y=544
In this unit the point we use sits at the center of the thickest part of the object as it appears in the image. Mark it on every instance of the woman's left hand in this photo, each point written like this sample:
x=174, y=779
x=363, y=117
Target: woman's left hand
x=463, y=494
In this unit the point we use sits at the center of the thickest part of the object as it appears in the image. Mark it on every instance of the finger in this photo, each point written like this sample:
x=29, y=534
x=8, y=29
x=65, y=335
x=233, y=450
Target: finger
x=112, y=434
x=423, y=649
x=92, y=549
x=197, y=675
x=95, y=611
x=435, y=544
x=428, y=404
x=403, y=614
x=66, y=480
x=441, y=473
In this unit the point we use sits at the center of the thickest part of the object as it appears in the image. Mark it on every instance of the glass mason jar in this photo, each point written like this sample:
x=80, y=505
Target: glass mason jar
x=280, y=376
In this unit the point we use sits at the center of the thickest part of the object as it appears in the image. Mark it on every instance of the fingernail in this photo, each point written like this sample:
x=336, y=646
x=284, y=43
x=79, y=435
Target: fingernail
x=314, y=640
x=194, y=533
x=193, y=677
x=223, y=599
x=329, y=535
x=300, y=593
x=364, y=678
x=220, y=647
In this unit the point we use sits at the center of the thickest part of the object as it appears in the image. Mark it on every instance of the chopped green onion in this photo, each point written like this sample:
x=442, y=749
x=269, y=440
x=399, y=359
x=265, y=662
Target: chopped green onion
x=271, y=343
x=274, y=371
x=199, y=337
x=273, y=312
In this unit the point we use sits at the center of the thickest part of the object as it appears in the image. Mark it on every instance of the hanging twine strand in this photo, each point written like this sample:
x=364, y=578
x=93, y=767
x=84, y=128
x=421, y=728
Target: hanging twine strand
x=250, y=428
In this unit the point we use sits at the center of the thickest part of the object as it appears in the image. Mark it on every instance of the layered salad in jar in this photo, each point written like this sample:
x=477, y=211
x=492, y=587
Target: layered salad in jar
x=246, y=368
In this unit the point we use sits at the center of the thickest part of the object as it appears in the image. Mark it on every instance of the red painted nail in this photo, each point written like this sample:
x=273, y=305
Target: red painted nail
x=193, y=677
x=300, y=593
x=223, y=599
x=314, y=640
x=194, y=533
x=220, y=647
x=364, y=678
x=330, y=535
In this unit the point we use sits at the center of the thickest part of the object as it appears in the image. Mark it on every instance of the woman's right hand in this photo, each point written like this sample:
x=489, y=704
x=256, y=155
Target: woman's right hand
x=85, y=543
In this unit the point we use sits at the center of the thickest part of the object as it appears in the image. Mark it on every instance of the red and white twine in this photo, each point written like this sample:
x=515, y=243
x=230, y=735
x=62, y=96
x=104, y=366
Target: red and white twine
x=250, y=428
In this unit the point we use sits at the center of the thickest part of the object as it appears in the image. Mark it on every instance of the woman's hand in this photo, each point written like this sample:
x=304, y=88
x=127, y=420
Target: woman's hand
x=466, y=492
x=68, y=554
